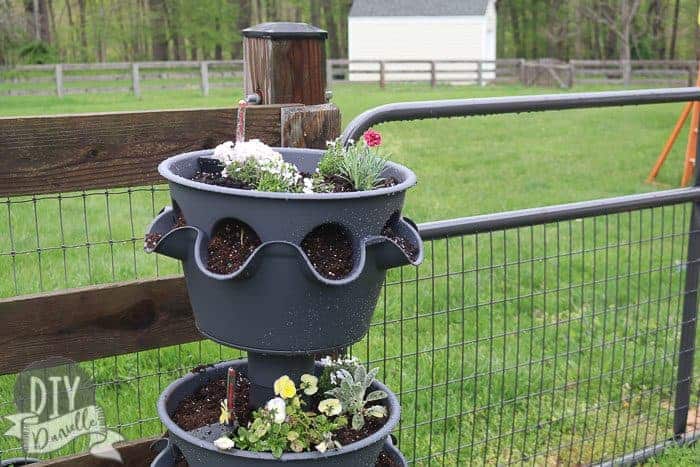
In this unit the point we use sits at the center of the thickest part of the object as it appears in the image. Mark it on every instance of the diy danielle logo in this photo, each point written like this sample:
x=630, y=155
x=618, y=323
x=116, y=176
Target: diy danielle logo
x=55, y=401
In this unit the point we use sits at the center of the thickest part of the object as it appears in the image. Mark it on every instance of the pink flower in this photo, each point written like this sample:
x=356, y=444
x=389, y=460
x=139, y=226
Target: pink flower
x=372, y=138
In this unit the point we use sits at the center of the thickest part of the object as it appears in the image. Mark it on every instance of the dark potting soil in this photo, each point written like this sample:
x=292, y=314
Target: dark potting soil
x=385, y=460
x=203, y=407
x=329, y=249
x=216, y=179
x=347, y=434
x=230, y=246
x=338, y=184
x=152, y=239
x=179, y=220
x=410, y=249
x=210, y=173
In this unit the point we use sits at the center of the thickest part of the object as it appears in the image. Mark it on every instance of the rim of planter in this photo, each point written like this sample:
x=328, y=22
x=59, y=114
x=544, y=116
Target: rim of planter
x=381, y=434
x=165, y=170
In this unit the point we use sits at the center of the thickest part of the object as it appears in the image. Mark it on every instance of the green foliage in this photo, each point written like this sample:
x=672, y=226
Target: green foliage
x=247, y=172
x=328, y=379
x=359, y=164
x=330, y=163
x=262, y=178
x=301, y=430
x=37, y=53
x=352, y=393
x=320, y=185
x=362, y=167
x=273, y=182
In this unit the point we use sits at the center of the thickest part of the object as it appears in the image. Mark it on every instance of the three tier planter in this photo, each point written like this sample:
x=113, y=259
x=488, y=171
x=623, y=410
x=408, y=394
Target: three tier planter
x=276, y=304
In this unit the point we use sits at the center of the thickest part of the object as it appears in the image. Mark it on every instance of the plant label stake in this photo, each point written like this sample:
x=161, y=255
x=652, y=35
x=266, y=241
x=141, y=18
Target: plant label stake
x=231, y=394
x=240, y=128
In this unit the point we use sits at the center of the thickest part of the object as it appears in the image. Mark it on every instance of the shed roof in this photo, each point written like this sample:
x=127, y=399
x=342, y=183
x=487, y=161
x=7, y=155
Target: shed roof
x=419, y=7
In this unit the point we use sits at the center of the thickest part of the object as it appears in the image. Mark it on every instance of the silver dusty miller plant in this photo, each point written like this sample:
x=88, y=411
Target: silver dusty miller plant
x=352, y=394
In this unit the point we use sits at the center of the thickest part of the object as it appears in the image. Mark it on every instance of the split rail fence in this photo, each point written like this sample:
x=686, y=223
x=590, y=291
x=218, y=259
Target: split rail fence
x=563, y=334
x=136, y=78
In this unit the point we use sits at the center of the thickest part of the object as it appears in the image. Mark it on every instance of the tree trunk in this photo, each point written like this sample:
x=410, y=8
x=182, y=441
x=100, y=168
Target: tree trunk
x=218, y=51
x=71, y=35
x=243, y=21
x=52, y=23
x=83, y=30
x=315, y=12
x=332, y=30
x=674, y=29
x=193, y=49
x=517, y=37
x=44, y=31
x=655, y=17
x=171, y=15
x=343, y=28
x=158, y=30
x=628, y=9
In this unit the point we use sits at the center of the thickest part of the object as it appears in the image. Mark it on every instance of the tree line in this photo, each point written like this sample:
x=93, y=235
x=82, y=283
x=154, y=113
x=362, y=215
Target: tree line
x=46, y=31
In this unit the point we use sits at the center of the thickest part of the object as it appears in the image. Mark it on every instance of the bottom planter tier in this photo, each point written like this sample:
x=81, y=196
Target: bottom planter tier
x=198, y=450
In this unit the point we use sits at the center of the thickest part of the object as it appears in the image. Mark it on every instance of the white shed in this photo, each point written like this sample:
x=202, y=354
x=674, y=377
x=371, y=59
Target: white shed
x=422, y=30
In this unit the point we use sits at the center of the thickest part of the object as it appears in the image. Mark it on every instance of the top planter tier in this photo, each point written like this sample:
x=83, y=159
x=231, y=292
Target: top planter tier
x=277, y=301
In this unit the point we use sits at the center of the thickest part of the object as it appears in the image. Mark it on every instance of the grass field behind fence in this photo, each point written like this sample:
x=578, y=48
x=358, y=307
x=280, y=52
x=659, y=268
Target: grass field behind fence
x=551, y=344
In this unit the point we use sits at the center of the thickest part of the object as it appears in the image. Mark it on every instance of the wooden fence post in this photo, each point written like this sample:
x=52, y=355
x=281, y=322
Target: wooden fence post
x=204, y=73
x=433, y=77
x=691, y=81
x=382, y=75
x=329, y=75
x=479, y=73
x=572, y=71
x=135, y=80
x=59, y=80
x=285, y=64
x=521, y=68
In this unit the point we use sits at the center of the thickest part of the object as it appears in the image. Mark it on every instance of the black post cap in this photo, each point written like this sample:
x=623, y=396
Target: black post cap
x=282, y=31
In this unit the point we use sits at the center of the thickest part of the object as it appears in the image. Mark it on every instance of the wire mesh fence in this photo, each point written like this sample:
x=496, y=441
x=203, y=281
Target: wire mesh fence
x=545, y=343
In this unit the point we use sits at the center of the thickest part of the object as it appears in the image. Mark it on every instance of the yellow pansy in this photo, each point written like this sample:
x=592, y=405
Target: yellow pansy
x=284, y=387
x=309, y=383
x=225, y=417
x=330, y=407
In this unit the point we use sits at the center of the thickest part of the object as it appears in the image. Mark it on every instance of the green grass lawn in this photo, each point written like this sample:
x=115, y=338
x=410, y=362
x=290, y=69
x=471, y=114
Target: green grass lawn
x=551, y=344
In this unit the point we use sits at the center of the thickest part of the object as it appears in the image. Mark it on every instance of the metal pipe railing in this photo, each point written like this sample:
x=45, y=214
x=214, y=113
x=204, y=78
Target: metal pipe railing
x=404, y=111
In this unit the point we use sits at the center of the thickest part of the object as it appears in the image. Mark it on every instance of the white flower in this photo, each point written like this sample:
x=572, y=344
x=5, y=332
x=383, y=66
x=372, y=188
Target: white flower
x=376, y=411
x=229, y=152
x=327, y=443
x=330, y=144
x=224, y=443
x=278, y=408
x=255, y=149
x=327, y=360
x=308, y=185
x=330, y=407
x=224, y=152
x=309, y=383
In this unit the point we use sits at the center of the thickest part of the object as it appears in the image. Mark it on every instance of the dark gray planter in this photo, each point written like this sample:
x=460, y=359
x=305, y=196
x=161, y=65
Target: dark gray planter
x=201, y=453
x=277, y=302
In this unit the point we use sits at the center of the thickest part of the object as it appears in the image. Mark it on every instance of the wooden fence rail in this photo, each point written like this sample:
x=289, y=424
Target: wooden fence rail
x=76, y=78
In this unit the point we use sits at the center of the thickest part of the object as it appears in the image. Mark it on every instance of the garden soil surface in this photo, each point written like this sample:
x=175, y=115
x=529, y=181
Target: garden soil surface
x=230, y=246
x=210, y=174
x=329, y=249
